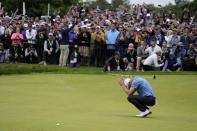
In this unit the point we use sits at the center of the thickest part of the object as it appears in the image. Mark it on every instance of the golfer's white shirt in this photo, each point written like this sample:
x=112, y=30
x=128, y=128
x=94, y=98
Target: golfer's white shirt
x=152, y=60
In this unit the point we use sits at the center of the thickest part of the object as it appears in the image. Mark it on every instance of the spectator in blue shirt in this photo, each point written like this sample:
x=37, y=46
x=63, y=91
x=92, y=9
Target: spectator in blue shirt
x=72, y=40
x=145, y=95
x=64, y=45
x=111, y=39
x=180, y=52
x=172, y=64
x=159, y=37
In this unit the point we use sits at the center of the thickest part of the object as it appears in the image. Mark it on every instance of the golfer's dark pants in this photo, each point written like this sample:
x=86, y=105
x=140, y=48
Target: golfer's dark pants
x=141, y=102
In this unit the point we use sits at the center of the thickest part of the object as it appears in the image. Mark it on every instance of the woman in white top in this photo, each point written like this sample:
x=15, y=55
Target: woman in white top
x=168, y=37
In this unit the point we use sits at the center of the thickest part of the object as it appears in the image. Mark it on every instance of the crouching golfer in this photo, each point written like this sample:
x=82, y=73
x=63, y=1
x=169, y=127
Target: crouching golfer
x=145, y=95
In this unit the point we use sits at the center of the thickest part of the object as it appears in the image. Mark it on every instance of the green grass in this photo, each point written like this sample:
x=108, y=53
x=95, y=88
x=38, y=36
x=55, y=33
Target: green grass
x=37, y=102
x=21, y=68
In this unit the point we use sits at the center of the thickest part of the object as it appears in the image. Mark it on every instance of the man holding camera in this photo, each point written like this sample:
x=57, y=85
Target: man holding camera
x=99, y=38
x=31, y=55
x=15, y=53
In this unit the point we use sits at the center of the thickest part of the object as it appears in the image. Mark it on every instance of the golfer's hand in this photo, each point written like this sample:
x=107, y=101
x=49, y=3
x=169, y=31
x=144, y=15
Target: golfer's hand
x=121, y=81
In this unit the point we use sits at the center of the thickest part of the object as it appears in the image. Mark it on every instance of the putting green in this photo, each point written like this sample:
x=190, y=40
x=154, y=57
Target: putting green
x=37, y=102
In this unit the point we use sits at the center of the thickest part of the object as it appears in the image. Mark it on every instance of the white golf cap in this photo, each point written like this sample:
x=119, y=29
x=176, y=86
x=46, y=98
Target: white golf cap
x=126, y=82
x=70, y=25
x=84, y=26
x=138, y=29
x=98, y=27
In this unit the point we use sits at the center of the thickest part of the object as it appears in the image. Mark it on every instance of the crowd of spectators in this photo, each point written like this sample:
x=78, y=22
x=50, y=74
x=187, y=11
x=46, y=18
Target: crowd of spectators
x=126, y=39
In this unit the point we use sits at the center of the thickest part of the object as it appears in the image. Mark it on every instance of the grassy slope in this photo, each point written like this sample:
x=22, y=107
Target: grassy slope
x=6, y=69
x=82, y=103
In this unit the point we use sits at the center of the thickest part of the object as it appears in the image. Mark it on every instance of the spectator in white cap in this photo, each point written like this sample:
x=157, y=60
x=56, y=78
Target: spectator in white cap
x=145, y=95
x=151, y=63
x=84, y=44
x=148, y=20
x=51, y=48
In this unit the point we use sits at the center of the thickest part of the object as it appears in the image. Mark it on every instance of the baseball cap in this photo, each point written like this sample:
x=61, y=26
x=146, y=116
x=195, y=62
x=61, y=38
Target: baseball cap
x=157, y=28
x=171, y=53
x=148, y=14
x=50, y=34
x=138, y=29
x=29, y=25
x=98, y=27
x=130, y=46
x=126, y=82
x=117, y=53
x=25, y=25
x=84, y=26
x=180, y=44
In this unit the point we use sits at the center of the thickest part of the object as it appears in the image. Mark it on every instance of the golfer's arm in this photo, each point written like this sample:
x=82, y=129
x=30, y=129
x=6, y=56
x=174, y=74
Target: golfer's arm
x=128, y=91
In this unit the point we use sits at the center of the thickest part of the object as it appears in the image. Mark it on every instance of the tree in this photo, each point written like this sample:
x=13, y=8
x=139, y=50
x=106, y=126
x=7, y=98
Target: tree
x=117, y=3
x=38, y=7
x=180, y=2
x=102, y=4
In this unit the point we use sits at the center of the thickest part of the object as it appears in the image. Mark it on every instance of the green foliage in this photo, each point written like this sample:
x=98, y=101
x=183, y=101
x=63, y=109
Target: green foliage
x=180, y=2
x=177, y=9
x=153, y=8
x=102, y=4
x=117, y=3
x=8, y=69
x=38, y=7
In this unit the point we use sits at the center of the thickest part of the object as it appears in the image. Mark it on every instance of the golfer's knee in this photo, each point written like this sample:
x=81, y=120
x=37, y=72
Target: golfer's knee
x=130, y=99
